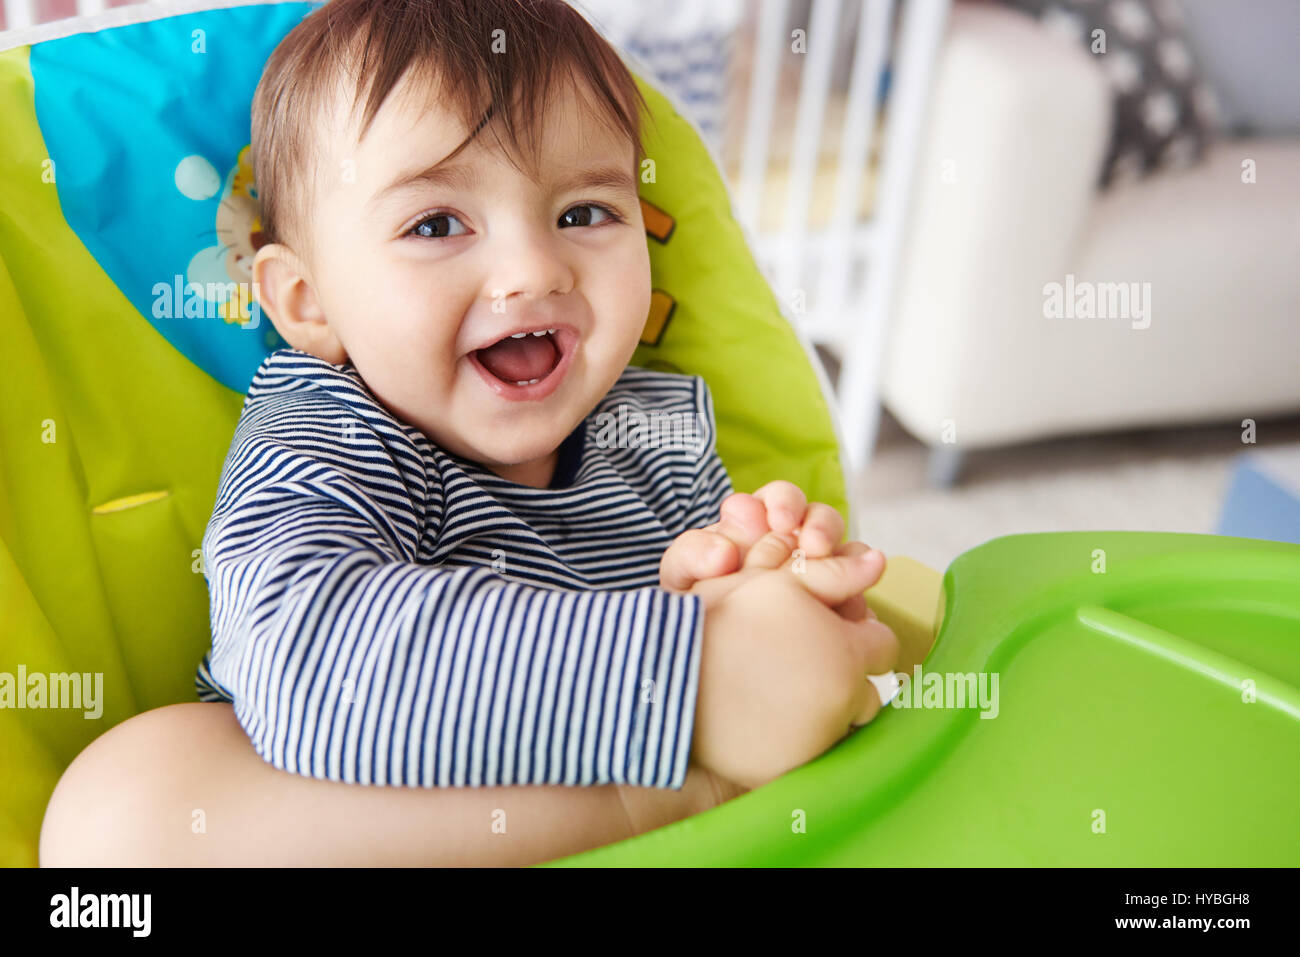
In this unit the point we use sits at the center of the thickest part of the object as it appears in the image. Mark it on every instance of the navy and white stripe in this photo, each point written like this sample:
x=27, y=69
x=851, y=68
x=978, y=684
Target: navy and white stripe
x=364, y=633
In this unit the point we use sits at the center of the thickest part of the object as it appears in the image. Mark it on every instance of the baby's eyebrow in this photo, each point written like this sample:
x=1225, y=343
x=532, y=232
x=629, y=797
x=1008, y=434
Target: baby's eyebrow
x=464, y=176
x=601, y=177
x=461, y=176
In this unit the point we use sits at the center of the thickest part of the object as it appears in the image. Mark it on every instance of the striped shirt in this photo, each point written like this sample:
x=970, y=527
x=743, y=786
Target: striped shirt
x=386, y=612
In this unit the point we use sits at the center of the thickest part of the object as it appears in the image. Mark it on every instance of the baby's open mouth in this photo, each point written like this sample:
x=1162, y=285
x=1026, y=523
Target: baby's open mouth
x=527, y=364
x=522, y=358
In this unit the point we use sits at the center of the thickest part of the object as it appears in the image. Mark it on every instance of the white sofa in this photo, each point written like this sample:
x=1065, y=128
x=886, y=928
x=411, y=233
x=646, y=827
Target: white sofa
x=1006, y=203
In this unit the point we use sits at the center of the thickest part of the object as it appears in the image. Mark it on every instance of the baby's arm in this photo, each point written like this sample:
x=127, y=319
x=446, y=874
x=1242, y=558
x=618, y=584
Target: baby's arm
x=353, y=651
x=350, y=661
x=134, y=796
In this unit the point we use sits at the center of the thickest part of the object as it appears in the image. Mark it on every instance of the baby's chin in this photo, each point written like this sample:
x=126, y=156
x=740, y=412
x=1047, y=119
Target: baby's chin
x=508, y=452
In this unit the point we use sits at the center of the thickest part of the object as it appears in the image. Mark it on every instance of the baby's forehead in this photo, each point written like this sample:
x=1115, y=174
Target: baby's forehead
x=569, y=124
x=408, y=110
x=415, y=127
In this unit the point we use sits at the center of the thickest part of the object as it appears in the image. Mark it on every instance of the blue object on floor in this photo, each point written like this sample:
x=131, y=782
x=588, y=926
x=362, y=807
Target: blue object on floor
x=1263, y=499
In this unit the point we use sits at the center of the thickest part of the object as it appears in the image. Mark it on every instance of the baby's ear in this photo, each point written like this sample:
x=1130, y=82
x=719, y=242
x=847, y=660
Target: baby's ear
x=286, y=296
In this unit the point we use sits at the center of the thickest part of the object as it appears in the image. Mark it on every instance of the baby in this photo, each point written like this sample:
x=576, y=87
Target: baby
x=425, y=571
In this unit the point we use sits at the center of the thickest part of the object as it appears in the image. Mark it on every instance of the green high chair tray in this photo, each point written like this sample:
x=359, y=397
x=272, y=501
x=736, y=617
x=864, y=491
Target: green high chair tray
x=1146, y=713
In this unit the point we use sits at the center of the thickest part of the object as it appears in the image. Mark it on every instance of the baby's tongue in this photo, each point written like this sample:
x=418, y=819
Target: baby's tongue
x=517, y=360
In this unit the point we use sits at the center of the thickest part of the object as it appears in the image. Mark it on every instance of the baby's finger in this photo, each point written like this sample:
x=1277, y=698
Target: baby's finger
x=860, y=548
x=820, y=531
x=874, y=645
x=867, y=705
x=747, y=515
x=854, y=609
x=696, y=555
x=771, y=551
x=786, y=505
x=744, y=521
x=839, y=578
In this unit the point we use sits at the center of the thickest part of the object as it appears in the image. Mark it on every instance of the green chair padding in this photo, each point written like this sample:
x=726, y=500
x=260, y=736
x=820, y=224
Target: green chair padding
x=124, y=168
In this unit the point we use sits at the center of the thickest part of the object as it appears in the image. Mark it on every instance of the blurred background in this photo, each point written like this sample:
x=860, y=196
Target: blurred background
x=1048, y=251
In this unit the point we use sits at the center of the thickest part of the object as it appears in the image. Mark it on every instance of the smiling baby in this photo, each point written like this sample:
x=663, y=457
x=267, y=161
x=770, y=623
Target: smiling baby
x=426, y=574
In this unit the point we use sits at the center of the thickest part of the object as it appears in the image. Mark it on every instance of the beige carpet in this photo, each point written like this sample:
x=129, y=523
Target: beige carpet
x=1170, y=480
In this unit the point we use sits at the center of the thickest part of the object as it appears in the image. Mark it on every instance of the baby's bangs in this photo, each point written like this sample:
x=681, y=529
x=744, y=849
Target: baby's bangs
x=511, y=58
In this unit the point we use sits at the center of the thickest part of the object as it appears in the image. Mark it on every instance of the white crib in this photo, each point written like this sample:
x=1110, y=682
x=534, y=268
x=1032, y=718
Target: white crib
x=844, y=166
x=821, y=174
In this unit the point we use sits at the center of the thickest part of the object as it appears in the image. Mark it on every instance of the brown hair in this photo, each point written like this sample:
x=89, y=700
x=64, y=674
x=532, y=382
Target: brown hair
x=375, y=43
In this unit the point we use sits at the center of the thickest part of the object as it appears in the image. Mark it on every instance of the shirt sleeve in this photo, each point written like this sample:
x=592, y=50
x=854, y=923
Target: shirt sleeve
x=349, y=660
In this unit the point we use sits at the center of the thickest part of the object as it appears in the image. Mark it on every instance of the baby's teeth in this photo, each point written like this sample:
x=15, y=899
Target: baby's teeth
x=550, y=331
x=540, y=332
x=519, y=335
x=526, y=381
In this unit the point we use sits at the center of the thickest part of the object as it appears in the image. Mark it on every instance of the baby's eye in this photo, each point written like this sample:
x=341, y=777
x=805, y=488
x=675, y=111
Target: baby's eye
x=575, y=216
x=431, y=227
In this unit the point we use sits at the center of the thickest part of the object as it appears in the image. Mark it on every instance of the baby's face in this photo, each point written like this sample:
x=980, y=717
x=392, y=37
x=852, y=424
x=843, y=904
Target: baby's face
x=418, y=276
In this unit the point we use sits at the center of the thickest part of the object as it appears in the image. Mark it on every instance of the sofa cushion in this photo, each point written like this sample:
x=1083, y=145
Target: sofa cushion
x=1164, y=111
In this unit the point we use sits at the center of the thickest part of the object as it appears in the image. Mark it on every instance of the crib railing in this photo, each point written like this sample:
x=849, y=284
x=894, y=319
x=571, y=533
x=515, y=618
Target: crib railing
x=836, y=277
x=18, y=14
x=826, y=132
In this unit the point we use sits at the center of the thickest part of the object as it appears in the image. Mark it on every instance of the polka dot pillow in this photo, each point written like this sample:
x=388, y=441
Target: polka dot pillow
x=1164, y=112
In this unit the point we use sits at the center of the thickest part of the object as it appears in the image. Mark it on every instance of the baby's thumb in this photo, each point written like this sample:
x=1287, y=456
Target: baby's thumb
x=693, y=556
x=836, y=579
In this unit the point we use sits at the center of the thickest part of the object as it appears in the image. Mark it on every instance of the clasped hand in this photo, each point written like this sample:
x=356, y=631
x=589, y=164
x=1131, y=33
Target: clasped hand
x=789, y=528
